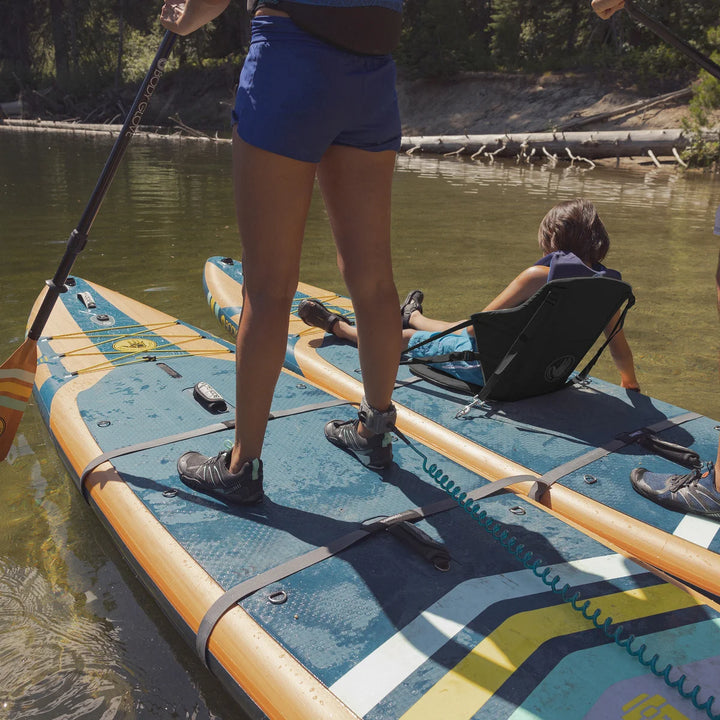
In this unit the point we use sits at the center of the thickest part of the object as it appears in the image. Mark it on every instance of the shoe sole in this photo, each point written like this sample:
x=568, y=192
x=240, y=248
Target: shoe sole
x=199, y=487
x=364, y=459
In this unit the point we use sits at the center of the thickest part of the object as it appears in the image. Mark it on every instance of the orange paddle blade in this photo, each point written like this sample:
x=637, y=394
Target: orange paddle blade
x=17, y=375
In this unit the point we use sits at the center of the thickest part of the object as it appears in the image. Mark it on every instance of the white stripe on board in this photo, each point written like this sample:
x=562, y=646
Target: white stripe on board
x=700, y=530
x=377, y=675
x=17, y=374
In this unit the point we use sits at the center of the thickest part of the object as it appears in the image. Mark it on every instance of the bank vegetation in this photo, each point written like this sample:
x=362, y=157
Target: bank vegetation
x=81, y=59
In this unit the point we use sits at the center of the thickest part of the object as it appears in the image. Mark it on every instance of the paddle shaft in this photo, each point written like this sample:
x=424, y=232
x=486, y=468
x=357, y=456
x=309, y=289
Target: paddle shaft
x=78, y=237
x=661, y=31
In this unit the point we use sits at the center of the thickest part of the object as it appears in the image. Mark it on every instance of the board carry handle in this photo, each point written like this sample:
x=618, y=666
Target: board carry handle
x=661, y=31
x=78, y=237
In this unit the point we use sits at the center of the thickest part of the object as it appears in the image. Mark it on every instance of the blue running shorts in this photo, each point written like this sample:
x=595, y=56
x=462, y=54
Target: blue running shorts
x=298, y=95
x=468, y=371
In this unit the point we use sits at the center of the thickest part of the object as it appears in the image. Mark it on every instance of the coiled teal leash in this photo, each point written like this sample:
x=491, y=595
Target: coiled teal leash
x=510, y=543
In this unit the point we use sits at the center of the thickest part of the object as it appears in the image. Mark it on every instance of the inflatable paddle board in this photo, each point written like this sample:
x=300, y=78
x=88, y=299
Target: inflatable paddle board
x=580, y=436
x=345, y=593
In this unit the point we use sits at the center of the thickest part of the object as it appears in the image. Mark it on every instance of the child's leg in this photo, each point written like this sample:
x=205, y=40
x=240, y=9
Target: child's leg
x=344, y=331
x=419, y=322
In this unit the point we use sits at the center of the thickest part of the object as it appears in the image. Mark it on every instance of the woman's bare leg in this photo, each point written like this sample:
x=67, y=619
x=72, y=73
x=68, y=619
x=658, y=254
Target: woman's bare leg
x=272, y=197
x=356, y=186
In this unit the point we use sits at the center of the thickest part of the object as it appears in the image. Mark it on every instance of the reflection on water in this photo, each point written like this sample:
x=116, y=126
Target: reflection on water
x=79, y=637
x=56, y=663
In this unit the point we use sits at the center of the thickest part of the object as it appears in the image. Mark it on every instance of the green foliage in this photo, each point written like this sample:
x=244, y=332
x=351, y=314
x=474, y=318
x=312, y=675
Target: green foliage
x=656, y=68
x=532, y=36
x=704, y=148
x=80, y=47
x=443, y=37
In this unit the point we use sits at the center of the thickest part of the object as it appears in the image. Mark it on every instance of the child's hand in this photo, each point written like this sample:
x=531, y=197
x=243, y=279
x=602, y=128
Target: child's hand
x=606, y=8
x=630, y=386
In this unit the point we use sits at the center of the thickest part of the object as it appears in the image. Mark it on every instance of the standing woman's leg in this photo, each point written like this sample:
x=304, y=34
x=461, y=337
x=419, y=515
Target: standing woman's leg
x=272, y=197
x=357, y=187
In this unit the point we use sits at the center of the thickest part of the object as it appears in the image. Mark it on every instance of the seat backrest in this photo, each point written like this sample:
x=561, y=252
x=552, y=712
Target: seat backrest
x=532, y=349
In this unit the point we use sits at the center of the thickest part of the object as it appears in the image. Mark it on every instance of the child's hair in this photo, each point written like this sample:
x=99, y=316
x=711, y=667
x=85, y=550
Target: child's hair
x=574, y=226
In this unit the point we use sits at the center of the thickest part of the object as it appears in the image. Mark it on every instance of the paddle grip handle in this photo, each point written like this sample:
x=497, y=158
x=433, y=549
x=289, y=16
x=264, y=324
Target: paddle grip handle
x=78, y=237
x=661, y=31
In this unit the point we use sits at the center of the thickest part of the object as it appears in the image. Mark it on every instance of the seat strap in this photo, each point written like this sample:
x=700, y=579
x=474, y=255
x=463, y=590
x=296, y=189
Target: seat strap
x=580, y=377
x=459, y=356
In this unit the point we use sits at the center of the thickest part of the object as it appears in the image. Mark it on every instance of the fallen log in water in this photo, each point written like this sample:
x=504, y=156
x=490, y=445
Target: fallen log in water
x=148, y=132
x=567, y=145
x=555, y=146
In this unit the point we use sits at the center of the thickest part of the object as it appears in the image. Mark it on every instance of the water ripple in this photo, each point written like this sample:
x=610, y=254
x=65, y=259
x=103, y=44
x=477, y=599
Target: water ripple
x=57, y=664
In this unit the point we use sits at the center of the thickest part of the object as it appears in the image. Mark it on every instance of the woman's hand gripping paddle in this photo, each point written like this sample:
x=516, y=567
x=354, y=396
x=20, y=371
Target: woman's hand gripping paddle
x=17, y=373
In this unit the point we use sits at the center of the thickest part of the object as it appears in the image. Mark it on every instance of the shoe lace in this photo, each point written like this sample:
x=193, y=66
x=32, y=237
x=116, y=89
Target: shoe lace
x=692, y=478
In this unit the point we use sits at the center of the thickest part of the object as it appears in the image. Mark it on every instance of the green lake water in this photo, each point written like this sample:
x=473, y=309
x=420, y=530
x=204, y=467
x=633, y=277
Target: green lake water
x=79, y=635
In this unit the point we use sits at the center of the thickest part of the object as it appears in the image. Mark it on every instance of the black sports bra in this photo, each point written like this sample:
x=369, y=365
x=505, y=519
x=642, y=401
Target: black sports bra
x=370, y=30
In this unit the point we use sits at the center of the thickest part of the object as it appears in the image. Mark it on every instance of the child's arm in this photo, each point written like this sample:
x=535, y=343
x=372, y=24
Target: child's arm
x=623, y=357
x=524, y=286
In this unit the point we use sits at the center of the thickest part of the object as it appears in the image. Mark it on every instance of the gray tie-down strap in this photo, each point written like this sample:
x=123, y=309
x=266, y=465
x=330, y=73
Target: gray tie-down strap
x=233, y=596
x=618, y=442
x=198, y=432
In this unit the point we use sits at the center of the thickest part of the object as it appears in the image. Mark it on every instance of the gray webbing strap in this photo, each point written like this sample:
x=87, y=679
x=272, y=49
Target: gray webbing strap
x=198, y=432
x=274, y=415
x=620, y=441
x=409, y=381
x=228, y=599
x=148, y=444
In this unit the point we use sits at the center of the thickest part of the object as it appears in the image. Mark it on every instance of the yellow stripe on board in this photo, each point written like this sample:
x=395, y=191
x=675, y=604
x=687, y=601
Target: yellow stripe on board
x=475, y=679
x=15, y=389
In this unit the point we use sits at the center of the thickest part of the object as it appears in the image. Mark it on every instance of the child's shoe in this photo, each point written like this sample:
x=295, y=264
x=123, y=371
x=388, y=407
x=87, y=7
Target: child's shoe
x=315, y=314
x=212, y=476
x=412, y=303
x=693, y=492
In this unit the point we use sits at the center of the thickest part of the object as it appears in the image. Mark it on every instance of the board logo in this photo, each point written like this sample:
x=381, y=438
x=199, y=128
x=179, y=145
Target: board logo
x=646, y=706
x=134, y=345
x=559, y=368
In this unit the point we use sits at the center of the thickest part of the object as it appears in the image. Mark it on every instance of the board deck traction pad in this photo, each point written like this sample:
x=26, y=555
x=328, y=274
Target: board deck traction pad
x=592, y=458
x=497, y=636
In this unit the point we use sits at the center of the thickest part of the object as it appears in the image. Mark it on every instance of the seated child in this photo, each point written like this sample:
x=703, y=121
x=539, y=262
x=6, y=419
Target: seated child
x=573, y=240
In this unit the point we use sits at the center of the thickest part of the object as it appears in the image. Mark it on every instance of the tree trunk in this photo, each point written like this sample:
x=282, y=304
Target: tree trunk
x=121, y=39
x=60, y=41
